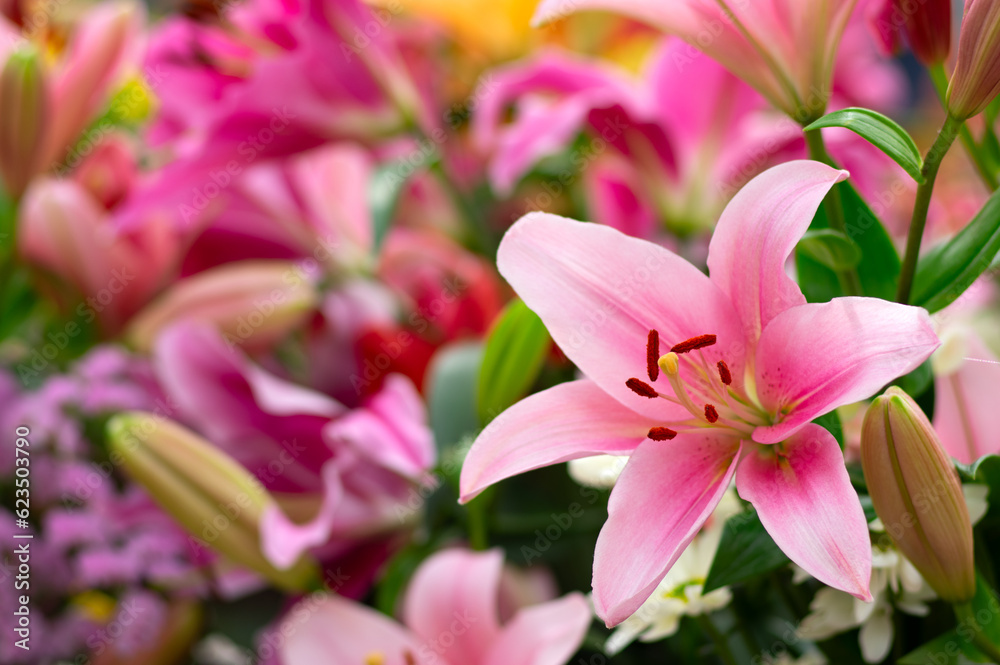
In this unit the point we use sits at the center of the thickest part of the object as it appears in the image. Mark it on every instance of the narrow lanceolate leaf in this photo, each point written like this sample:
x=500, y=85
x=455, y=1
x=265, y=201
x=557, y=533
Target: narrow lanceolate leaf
x=882, y=132
x=831, y=248
x=745, y=551
x=878, y=269
x=948, y=270
x=515, y=353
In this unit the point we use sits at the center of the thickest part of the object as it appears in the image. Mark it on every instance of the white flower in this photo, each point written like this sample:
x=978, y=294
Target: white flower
x=894, y=583
x=600, y=471
x=680, y=591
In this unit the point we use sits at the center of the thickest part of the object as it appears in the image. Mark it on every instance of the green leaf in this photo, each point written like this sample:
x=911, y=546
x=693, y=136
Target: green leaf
x=745, y=550
x=978, y=622
x=516, y=349
x=384, y=190
x=882, y=132
x=947, y=649
x=868, y=507
x=831, y=248
x=831, y=422
x=918, y=381
x=451, y=388
x=949, y=269
x=982, y=470
x=878, y=269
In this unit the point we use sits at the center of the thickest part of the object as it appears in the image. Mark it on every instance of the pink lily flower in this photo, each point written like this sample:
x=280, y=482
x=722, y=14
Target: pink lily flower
x=452, y=616
x=785, y=49
x=965, y=371
x=312, y=205
x=72, y=90
x=345, y=479
x=750, y=365
x=671, y=155
x=276, y=79
x=65, y=230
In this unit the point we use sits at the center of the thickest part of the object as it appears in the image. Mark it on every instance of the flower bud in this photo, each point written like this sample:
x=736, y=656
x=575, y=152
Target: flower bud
x=976, y=80
x=917, y=494
x=928, y=29
x=23, y=114
x=253, y=304
x=212, y=496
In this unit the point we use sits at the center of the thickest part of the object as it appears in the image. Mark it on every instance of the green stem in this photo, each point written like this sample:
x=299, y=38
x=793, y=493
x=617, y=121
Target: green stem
x=850, y=283
x=720, y=641
x=940, y=79
x=966, y=614
x=478, y=539
x=932, y=163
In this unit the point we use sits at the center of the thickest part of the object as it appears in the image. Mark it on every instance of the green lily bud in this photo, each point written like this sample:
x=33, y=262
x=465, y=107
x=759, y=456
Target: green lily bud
x=976, y=80
x=917, y=494
x=23, y=116
x=204, y=489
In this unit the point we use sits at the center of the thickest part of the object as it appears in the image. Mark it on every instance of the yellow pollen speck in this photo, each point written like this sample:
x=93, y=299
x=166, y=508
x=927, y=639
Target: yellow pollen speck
x=668, y=363
x=95, y=605
x=375, y=658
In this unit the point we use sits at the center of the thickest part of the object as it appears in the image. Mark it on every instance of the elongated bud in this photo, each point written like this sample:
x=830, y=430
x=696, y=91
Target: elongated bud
x=917, y=494
x=253, y=303
x=207, y=492
x=976, y=80
x=24, y=110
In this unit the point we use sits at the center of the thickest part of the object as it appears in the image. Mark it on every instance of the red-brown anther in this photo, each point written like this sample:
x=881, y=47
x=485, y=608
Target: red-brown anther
x=711, y=415
x=642, y=388
x=724, y=374
x=661, y=433
x=699, y=342
x=409, y=657
x=652, y=355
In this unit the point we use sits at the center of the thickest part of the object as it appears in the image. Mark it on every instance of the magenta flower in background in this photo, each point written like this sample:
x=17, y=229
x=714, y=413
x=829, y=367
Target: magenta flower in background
x=785, y=49
x=750, y=365
x=290, y=77
x=100, y=543
x=453, y=616
x=674, y=156
x=344, y=479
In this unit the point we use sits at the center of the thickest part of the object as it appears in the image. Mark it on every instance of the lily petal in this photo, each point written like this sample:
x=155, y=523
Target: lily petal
x=338, y=631
x=391, y=429
x=661, y=500
x=568, y=421
x=546, y=634
x=965, y=413
x=816, y=357
x=599, y=292
x=457, y=585
x=756, y=234
x=804, y=498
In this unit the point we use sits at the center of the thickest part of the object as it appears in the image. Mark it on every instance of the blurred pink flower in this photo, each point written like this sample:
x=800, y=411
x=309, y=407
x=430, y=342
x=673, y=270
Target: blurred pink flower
x=965, y=370
x=783, y=48
x=275, y=79
x=102, y=44
x=673, y=155
x=926, y=24
x=64, y=230
x=752, y=364
x=451, y=616
x=312, y=205
x=344, y=478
